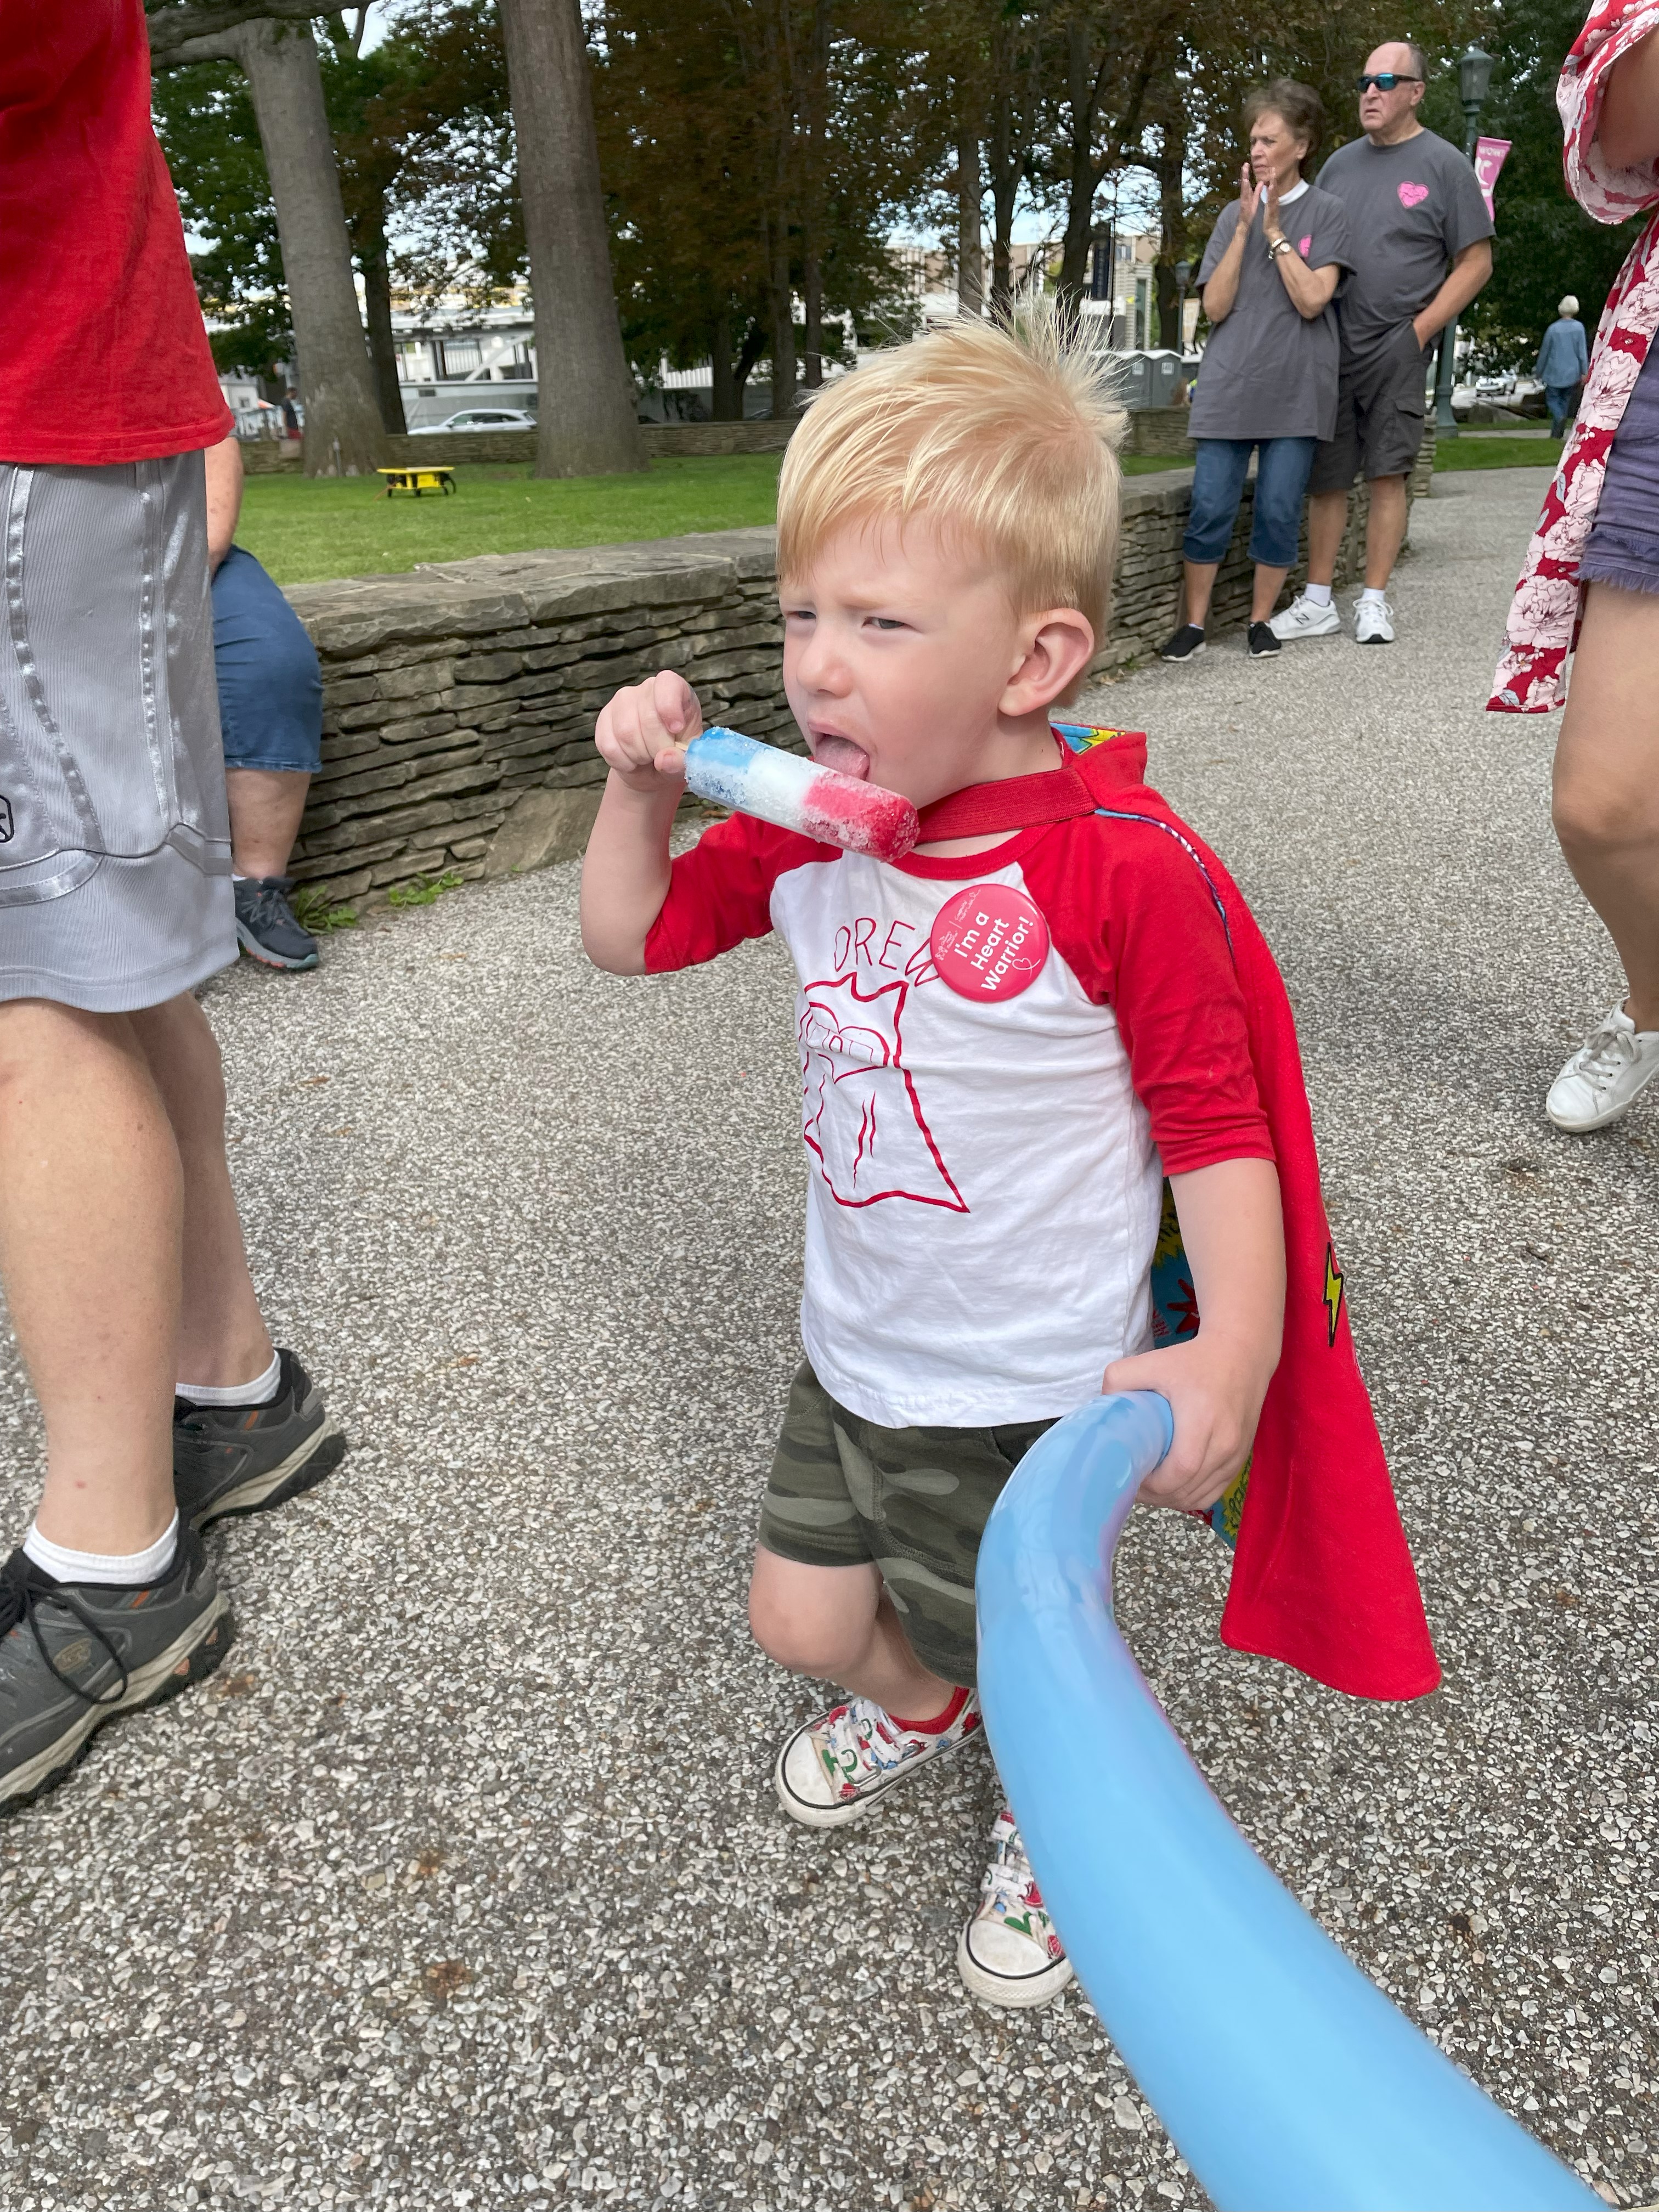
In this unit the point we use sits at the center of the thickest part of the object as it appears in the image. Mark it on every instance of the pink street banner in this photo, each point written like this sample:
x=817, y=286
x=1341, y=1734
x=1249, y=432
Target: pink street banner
x=1489, y=156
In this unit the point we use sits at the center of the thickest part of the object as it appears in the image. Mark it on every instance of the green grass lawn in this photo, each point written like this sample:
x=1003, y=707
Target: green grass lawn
x=1485, y=451
x=307, y=529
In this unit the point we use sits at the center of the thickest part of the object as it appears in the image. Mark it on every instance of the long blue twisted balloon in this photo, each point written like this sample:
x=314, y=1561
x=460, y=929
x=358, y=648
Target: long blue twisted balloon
x=1285, y=2077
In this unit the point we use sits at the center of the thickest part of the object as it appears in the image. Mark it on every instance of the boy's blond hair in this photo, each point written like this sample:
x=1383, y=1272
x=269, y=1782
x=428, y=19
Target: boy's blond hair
x=1003, y=433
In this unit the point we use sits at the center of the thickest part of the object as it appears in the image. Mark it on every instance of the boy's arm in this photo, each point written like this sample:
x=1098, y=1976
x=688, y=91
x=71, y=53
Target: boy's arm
x=641, y=734
x=1234, y=1233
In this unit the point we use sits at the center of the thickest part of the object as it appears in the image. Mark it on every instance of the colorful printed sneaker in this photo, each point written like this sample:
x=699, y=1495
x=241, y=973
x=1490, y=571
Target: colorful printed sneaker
x=1008, y=1953
x=241, y=1459
x=74, y=1655
x=832, y=1769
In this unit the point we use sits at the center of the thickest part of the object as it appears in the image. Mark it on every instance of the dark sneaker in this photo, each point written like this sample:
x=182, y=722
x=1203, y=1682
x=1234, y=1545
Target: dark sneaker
x=74, y=1655
x=266, y=926
x=1187, y=641
x=239, y=1459
x=1263, y=641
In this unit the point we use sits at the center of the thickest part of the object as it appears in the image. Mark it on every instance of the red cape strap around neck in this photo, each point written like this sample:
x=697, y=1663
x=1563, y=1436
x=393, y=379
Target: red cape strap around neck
x=1027, y=802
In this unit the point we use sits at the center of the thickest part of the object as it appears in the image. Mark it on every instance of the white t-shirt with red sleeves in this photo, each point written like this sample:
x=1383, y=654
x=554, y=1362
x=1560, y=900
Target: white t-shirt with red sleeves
x=986, y=1170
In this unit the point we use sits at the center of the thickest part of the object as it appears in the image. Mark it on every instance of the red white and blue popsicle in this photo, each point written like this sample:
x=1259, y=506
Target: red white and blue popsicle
x=797, y=794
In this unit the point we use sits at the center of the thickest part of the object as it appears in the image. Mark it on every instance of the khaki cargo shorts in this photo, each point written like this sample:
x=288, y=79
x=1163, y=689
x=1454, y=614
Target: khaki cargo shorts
x=914, y=1502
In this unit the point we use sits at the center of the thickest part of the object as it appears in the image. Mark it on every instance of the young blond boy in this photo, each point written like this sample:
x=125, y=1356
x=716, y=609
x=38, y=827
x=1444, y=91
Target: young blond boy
x=988, y=1170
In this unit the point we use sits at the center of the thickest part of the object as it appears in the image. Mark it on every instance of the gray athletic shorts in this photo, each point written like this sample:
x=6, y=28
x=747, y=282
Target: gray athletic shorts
x=114, y=837
x=1380, y=404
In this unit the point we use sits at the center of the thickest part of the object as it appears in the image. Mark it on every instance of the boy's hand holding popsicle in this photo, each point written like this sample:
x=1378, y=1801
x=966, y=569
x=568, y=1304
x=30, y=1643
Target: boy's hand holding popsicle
x=643, y=731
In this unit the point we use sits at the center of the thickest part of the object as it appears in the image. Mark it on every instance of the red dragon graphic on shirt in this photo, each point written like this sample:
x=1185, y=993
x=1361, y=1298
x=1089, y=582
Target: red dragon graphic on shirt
x=862, y=1115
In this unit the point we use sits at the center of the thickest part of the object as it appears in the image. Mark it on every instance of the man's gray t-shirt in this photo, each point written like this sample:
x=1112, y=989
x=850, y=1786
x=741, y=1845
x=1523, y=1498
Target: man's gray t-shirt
x=1269, y=371
x=1412, y=210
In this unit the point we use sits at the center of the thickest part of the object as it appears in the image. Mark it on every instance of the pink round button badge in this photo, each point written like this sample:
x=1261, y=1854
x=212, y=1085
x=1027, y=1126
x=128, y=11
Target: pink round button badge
x=989, y=942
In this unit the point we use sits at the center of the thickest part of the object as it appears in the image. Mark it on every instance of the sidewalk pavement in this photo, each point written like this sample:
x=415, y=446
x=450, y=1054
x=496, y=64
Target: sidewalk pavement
x=463, y=1884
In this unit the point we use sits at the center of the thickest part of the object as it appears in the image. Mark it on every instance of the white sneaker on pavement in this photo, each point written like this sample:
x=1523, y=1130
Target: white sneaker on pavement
x=1008, y=1953
x=1599, y=1082
x=1373, y=622
x=832, y=1769
x=1304, y=618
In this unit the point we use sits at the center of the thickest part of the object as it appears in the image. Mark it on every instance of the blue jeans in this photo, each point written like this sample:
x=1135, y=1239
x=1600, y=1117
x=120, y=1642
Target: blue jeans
x=1557, y=398
x=1281, y=477
x=271, y=688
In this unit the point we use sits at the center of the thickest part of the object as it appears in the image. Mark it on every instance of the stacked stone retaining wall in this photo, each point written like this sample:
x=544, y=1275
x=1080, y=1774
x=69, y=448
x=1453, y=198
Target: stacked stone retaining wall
x=459, y=699
x=268, y=456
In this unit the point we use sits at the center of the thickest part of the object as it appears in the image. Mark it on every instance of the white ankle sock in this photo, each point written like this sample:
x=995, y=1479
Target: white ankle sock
x=1370, y=592
x=260, y=1392
x=1319, y=593
x=133, y=1569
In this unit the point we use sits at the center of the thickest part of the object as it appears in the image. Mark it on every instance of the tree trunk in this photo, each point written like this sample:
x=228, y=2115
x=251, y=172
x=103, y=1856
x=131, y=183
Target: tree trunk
x=970, y=194
x=783, y=323
x=1082, y=172
x=754, y=345
x=588, y=421
x=812, y=287
x=342, y=415
x=725, y=399
x=1172, y=229
x=382, y=340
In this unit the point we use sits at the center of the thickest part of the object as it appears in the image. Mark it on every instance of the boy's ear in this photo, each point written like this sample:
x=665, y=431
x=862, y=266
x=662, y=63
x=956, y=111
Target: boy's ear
x=1060, y=643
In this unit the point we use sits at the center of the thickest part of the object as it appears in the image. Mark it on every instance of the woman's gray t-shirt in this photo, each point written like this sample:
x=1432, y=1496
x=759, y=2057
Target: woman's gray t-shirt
x=1269, y=371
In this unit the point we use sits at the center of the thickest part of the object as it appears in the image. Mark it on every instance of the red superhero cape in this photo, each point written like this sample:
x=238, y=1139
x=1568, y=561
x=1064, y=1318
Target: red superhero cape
x=1322, y=1577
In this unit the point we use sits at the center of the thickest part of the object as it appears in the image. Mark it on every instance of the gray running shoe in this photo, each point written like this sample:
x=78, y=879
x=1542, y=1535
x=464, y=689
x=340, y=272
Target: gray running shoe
x=266, y=924
x=74, y=1655
x=241, y=1459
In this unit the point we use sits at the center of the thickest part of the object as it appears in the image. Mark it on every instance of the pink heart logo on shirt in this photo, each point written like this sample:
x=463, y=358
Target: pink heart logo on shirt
x=1306, y=243
x=1413, y=195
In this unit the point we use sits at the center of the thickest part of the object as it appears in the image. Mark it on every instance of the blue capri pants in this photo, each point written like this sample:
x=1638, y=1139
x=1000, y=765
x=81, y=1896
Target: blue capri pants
x=270, y=687
x=1281, y=477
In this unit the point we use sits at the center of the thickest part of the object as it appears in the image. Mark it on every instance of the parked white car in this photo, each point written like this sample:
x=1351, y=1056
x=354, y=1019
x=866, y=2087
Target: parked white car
x=477, y=418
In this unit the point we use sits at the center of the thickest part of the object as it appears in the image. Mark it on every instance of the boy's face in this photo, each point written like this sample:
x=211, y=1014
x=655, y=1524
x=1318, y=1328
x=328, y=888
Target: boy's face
x=904, y=662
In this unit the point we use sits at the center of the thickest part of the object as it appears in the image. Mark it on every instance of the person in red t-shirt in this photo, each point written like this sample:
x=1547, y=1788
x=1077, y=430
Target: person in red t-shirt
x=987, y=1168
x=165, y=1405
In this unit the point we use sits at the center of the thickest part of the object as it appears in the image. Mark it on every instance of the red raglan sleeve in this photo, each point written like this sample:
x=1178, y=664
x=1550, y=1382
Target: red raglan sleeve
x=1130, y=906
x=720, y=891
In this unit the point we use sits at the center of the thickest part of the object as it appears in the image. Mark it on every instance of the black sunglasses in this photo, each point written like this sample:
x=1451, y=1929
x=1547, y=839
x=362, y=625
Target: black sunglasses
x=1386, y=80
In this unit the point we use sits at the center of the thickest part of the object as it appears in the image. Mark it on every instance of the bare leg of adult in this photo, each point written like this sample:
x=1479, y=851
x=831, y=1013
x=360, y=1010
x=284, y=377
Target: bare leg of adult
x=1327, y=519
x=1385, y=531
x=222, y=1338
x=1198, y=578
x=91, y=1217
x=1606, y=781
x=266, y=808
x=1269, y=583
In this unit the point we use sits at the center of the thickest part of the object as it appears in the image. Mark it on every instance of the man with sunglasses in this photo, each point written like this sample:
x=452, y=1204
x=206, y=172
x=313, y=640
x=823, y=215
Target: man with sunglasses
x=1423, y=249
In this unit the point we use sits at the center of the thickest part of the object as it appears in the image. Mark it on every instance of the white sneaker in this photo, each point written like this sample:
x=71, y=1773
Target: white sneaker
x=1304, y=618
x=1373, y=622
x=1599, y=1082
x=1008, y=1953
x=833, y=1768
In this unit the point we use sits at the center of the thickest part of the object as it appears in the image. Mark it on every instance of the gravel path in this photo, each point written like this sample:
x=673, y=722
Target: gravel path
x=463, y=1884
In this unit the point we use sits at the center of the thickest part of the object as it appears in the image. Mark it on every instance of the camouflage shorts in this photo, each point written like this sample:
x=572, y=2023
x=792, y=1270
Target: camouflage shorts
x=914, y=1502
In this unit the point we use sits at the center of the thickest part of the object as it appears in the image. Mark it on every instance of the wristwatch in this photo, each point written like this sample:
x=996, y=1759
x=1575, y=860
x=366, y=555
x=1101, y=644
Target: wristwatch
x=1279, y=245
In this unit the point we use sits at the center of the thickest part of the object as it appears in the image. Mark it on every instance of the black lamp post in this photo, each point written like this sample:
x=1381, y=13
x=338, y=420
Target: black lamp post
x=1474, y=81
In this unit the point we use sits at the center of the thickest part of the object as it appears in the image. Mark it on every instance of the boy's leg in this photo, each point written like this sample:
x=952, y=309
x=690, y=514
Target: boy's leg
x=839, y=1624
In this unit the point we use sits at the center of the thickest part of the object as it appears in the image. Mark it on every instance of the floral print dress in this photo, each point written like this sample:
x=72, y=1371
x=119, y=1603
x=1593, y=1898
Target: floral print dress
x=1543, y=625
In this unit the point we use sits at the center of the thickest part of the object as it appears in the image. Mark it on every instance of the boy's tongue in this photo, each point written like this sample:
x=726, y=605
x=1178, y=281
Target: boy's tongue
x=842, y=754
